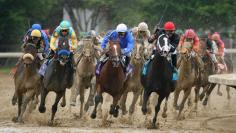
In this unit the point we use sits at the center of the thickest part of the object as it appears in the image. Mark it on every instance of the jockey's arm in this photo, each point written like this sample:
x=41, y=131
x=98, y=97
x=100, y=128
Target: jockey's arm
x=46, y=42
x=74, y=41
x=105, y=41
x=53, y=40
x=130, y=44
x=181, y=41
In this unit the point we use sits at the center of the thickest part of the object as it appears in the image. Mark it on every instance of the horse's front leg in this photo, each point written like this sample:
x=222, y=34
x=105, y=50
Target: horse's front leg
x=157, y=109
x=98, y=99
x=114, y=109
x=145, y=100
x=63, y=103
x=54, y=106
x=42, y=107
x=135, y=98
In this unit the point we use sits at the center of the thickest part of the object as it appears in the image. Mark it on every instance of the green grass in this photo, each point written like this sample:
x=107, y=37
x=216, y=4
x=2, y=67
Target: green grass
x=5, y=70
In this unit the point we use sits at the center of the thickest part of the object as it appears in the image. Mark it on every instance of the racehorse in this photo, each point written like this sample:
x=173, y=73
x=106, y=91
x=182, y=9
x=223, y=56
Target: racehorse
x=159, y=76
x=111, y=79
x=58, y=76
x=27, y=80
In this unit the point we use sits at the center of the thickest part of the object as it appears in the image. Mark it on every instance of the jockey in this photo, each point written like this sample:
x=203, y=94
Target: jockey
x=211, y=48
x=34, y=38
x=126, y=42
x=221, y=47
x=63, y=30
x=93, y=35
x=169, y=30
x=43, y=36
x=191, y=36
x=143, y=33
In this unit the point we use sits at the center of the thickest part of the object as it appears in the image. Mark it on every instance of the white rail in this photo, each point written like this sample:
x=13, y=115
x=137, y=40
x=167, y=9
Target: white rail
x=10, y=54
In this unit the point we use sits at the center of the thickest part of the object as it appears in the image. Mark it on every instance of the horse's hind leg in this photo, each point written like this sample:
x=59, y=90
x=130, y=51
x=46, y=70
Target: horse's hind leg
x=176, y=97
x=81, y=100
x=90, y=102
x=164, y=115
x=218, y=90
x=20, y=97
x=208, y=93
x=42, y=107
x=181, y=107
x=98, y=99
x=196, y=90
x=114, y=109
x=123, y=103
x=27, y=97
x=14, y=99
x=63, y=103
x=228, y=94
x=54, y=106
x=157, y=109
x=141, y=98
x=132, y=106
x=145, y=100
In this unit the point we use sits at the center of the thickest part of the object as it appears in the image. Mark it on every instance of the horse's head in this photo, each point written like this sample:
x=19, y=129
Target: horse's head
x=30, y=54
x=137, y=55
x=63, y=56
x=114, y=52
x=148, y=50
x=185, y=50
x=88, y=51
x=163, y=45
x=63, y=43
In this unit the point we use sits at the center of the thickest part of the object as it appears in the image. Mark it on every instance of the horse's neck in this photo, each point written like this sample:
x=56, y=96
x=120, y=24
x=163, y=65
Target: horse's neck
x=29, y=71
x=137, y=67
x=112, y=71
x=186, y=67
x=86, y=66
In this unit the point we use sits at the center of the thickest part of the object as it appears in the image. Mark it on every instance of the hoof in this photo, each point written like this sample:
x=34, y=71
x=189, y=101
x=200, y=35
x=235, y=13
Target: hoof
x=14, y=100
x=180, y=118
x=42, y=109
x=153, y=126
x=72, y=104
x=50, y=123
x=86, y=107
x=201, y=96
x=93, y=115
x=63, y=104
x=144, y=110
x=204, y=102
x=115, y=114
x=15, y=119
x=164, y=115
x=219, y=93
x=91, y=104
x=21, y=121
x=131, y=111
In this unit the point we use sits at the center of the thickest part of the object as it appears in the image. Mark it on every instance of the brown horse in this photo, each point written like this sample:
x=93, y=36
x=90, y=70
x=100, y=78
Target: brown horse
x=27, y=80
x=111, y=79
x=187, y=76
x=133, y=83
x=84, y=74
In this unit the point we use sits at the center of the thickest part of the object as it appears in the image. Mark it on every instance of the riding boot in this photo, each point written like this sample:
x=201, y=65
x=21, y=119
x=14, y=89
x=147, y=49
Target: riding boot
x=174, y=61
x=127, y=61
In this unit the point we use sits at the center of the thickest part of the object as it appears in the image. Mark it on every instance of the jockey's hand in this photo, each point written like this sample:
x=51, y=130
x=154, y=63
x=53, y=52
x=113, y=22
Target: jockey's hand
x=104, y=51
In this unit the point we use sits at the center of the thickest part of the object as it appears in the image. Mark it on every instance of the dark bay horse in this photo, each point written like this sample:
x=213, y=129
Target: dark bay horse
x=27, y=80
x=111, y=79
x=58, y=76
x=159, y=76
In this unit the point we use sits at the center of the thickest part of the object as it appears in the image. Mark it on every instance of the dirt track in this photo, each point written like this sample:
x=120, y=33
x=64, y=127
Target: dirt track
x=218, y=116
